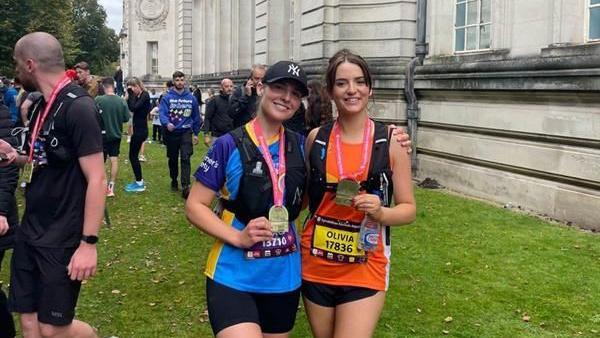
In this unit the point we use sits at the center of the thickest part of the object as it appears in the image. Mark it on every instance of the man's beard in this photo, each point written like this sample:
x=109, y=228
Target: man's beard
x=28, y=86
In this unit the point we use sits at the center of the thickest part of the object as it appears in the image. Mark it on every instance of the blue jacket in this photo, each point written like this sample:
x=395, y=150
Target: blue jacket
x=181, y=110
x=10, y=100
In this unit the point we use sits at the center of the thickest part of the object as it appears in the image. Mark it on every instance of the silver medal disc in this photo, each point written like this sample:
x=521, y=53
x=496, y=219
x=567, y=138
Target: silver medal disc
x=346, y=190
x=279, y=218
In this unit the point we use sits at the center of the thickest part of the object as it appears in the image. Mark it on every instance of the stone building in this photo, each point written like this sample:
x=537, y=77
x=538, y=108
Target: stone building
x=509, y=104
x=501, y=96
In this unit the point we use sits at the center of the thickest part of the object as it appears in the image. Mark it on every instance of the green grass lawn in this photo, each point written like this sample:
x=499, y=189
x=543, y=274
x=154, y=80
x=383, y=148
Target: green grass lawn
x=463, y=269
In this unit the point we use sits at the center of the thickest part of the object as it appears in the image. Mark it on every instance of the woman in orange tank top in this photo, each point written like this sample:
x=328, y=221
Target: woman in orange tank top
x=345, y=244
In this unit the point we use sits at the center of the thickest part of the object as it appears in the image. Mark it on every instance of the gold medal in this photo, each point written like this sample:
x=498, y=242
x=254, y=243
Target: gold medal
x=279, y=218
x=27, y=172
x=346, y=190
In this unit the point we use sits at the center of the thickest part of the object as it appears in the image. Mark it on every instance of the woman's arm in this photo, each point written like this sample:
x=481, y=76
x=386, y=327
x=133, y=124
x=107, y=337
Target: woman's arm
x=404, y=211
x=198, y=212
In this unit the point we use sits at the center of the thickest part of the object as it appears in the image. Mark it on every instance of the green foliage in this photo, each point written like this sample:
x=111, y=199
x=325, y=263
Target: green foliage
x=463, y=269
x=14, y=17
x=55, y=17
x=78, y=24
x=99, y=44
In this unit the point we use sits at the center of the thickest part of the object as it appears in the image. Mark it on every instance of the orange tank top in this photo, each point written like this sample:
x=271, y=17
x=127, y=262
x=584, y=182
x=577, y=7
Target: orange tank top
x=329, y=252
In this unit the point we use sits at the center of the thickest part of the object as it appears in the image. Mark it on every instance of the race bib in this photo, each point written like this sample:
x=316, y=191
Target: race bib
x=337, y=241
x=281, y=244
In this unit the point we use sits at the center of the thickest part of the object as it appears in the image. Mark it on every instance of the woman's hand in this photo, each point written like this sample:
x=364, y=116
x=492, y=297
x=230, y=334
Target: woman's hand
x=257, y=230
x=369, y=204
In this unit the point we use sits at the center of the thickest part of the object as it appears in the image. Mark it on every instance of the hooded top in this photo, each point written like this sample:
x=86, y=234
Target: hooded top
x=181, y=110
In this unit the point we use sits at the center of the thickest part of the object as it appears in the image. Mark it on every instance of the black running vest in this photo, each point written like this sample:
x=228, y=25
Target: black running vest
x=255, y=192
x=380, y=173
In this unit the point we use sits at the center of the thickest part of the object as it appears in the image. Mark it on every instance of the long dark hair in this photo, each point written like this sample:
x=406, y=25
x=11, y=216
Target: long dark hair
x=344, y=55
x=319, y=110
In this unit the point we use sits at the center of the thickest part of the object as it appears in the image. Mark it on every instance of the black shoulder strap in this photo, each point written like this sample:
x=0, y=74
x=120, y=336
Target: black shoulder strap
x=243, y=142
x=379, y=149
x=318, y=150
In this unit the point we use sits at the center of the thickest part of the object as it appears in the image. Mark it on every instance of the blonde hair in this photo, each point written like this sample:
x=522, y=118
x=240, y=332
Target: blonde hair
x=134, y=81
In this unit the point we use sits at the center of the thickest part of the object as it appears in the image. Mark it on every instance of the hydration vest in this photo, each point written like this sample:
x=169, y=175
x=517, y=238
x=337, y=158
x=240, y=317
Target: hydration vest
x=255, y=192
x=59, y=150
x=379, y=179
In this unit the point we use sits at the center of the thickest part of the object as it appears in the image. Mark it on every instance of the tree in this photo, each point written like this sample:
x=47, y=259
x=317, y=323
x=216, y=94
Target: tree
x=56, y=17
x=79, y=25
x=14, y=16
x=99, y=44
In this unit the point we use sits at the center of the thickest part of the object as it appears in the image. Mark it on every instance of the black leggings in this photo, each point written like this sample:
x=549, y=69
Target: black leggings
x=137, y=139
x=156, y=133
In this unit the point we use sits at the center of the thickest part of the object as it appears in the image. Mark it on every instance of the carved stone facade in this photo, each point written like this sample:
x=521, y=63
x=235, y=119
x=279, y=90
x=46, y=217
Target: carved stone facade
x=210, y=39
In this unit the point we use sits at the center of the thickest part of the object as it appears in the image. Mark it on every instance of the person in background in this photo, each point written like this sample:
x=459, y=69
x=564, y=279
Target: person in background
x=180, y=118
x=216, y=120
x=10, y=99
x=198, y=95
x=118, y=77
x=9, y=217
x=138, y=101
x=85, y=80
x=244, y=99
x=156, y=126
x=297, y=122
x=115, y=112
x=318, y=110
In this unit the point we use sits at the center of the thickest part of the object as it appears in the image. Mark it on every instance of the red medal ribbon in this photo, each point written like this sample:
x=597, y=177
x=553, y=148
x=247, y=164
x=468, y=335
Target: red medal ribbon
x=364, y=154
x=277, y=174
x=41, y=118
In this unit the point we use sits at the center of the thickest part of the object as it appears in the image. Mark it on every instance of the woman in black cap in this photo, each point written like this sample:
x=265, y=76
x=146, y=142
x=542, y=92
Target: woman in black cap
x=258, y=172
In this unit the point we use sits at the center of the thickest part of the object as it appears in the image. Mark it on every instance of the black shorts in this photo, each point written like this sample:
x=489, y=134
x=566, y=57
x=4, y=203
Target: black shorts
x=112, y=148
x=39, y=283
x=273, y=312
x=332, y=296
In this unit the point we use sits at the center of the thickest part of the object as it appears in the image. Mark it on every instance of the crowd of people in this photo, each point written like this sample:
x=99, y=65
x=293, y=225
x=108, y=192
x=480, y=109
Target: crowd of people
x=274, y=149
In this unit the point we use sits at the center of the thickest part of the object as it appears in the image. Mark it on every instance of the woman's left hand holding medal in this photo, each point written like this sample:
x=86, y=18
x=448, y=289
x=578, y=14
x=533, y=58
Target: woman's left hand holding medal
x=257, y=230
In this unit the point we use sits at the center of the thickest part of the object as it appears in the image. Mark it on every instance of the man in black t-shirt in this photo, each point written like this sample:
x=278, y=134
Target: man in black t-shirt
x=55, y=247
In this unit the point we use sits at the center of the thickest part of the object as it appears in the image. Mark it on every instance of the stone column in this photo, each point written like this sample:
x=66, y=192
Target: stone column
x=245, y=28
x=184, y=36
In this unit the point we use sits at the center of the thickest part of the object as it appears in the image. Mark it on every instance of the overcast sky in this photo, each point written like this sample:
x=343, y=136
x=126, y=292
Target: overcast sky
x=114, y=13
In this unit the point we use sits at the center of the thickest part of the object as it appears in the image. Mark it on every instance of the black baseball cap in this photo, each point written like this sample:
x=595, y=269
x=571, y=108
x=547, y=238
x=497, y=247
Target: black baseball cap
x=287, y=70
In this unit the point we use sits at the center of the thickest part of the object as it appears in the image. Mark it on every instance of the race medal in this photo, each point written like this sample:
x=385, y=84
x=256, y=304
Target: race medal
x=278, y=214
x=346, y=190
x=27, y=172
x=348, y=185
x=279, y=218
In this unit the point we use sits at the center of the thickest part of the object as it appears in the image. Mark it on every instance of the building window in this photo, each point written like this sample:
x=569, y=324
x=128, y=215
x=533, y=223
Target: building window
x=152, y=53
x=594, y=20
x=472, y=25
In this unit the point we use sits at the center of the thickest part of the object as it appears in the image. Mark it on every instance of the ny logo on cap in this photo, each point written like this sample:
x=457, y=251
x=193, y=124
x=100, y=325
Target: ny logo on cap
x=292, y=68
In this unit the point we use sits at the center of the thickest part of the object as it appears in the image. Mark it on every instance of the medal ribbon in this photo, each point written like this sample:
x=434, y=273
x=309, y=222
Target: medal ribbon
x=41, y=118
x=277, y=174
x=364, y=153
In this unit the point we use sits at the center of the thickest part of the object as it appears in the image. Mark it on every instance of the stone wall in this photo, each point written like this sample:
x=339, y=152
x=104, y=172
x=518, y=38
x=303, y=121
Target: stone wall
x=519, y=122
